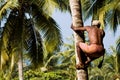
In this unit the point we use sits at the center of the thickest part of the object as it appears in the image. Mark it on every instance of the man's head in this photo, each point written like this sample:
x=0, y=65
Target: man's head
x=96, y=23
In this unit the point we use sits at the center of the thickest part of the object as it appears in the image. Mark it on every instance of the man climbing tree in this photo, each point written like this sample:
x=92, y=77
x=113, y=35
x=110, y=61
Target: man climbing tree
x=95, y=48
x=76, y=14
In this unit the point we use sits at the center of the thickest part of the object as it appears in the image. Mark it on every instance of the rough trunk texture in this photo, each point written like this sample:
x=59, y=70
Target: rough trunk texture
x=20, y=67
x=20, y=46
x=75, y=6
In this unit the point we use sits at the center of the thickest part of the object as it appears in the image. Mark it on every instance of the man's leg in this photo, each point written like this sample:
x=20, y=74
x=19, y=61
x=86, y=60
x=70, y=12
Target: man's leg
x=85, y=49
x=88, y=61
x=79, y=57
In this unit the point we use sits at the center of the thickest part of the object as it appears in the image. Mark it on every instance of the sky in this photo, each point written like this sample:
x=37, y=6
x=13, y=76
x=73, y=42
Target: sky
x=64, y=21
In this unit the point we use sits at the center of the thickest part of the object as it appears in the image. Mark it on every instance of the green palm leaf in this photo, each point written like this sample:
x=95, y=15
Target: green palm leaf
x=113, y=10
x=118, y=55
x=91, y=7
x=48, y=6
x=32, y=38
x=62, y=5
x=9, y=39
x=10, y=4
x=110, y=12
x=49, y=29
x=33, y=43
x=118, y=43
x=108, y=9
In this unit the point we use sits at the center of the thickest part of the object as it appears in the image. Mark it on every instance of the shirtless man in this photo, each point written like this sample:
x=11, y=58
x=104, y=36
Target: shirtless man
x=95, y=48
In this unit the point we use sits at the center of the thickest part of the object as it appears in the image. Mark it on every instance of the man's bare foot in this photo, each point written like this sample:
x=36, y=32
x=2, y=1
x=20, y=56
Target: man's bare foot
x=88, y=61
x=80, y=66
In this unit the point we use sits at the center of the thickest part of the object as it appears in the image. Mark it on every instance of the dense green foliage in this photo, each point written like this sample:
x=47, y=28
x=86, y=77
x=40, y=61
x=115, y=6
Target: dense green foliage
x=41, y=32
x=66, y=69
x=106, y=11
x=28, y=30
x=56, y=75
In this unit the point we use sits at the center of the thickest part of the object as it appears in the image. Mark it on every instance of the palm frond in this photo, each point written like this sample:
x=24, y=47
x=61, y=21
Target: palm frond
x=101, y=18
x=118, y=45
x=62, y=5
x=113, y=21
x=33, y=44
x=10, y=4
x=96, y=7
x=114, y=18
x=39, y=3
x=86, y=8
x=91, y=7
x=102, y=12
x=52, y=36
x=63, y=65
x=118, y=55
x=4, y=59
x=49, y=29
x=9, y=40
x=48, y=6
x=52, y=60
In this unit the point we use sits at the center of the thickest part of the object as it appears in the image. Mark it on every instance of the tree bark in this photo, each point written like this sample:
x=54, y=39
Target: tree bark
x=20, y=46
x=75, y=6
x=20, y=66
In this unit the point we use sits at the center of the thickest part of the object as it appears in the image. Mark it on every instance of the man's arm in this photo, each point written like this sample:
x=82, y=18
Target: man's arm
x=103, y=33
x=78, y=28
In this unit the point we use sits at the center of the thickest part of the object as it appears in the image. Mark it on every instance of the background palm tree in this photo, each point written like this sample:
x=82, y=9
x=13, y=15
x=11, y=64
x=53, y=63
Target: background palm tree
x=58, y=66
x=21, y=35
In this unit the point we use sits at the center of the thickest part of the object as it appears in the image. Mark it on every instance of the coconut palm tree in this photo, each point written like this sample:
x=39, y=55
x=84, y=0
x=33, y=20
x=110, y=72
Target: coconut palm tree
x=75, y=6
x=106, y=11
x=21, y=35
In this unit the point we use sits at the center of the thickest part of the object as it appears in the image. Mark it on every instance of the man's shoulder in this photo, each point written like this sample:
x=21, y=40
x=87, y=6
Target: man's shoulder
x=88, y=27
x=102, y=32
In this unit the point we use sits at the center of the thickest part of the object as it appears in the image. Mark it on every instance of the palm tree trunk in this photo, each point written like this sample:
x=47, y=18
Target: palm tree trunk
x=20, y=66
x=20, y=47
x=75, y=6
x=118, y=62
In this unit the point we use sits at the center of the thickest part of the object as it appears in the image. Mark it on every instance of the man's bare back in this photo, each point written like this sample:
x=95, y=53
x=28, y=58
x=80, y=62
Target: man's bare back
x=95, y=48
x=95, y=35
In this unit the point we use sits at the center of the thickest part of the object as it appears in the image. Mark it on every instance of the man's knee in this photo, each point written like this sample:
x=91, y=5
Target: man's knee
x=78, y=44
x=84, y=46
x=104, y=51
